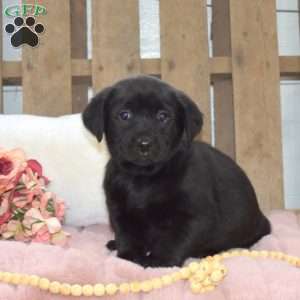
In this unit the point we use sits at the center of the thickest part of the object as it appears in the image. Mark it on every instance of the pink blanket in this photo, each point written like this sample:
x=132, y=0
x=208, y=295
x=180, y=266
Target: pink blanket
x=88, y=261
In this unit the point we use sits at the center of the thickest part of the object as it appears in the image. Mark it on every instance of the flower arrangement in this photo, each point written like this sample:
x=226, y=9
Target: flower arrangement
x=28, y=212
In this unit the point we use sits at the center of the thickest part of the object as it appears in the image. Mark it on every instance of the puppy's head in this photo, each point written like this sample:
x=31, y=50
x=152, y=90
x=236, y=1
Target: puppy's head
x=144, y=119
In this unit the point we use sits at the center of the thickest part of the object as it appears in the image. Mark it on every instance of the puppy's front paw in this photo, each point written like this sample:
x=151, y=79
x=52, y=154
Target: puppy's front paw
x=111, y=245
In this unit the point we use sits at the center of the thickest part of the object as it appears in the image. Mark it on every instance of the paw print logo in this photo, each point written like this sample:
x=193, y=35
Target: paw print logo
x=24, y=31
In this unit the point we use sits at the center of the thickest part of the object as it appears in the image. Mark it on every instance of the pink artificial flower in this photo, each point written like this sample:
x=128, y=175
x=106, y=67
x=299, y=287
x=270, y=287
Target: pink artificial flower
x=53, y=225
x=28, y=212
x=60, y=208
x=12, y=163
x=20, y=201
x=33, y=221
x=44, y=204
x=13, y=229
x=42, y=236
x=5, y=217
x=4, y=206
x=30, y=179
x=36, y=168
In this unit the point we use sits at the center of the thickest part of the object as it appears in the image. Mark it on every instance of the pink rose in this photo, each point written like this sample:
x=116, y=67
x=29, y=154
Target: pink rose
x=12, y=163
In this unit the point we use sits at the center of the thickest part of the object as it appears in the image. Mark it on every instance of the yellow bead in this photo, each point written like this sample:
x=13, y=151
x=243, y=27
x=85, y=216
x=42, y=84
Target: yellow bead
x=33, y=280
x=157, y=283
x=146, y=286
x=65, y=289
x=223, y=270
x=254, y=253
x=24, y=279
x=215, y=264
x=279, y=255
x=16, y=278
x=273, y=254
x=205, y=266
x=208, y=288
x=124, y=288
x=176, y=276
x=1, y=276
x=216, y=276
x=245, y=252
x=99, y=289
x=217, y=257
x=135, y=287
x=193, y=266
x=290, y=259
x=7, y=277
x=76, y=290
x=111, y=289
x=196, y=287
x=264, y=254
x=166, y=279
x=44, y=284
x=206, y=282
x=225, y=255
x=235, y=253
x=54, y=287
x=199, y=276
x=185, y=273
x=87, y=290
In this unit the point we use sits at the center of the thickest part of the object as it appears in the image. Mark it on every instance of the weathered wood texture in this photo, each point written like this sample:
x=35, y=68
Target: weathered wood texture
x=184, y=52
x=46, y=69
x=81, y=69
x=116, y=51
x=79, y=51
x=255, y=72
x=223, y=94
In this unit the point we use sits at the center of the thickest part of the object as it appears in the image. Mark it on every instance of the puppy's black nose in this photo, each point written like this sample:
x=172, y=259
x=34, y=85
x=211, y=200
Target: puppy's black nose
x=144, y=145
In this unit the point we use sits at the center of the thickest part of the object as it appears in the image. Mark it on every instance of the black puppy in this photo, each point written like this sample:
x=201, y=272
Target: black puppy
x=169, y=198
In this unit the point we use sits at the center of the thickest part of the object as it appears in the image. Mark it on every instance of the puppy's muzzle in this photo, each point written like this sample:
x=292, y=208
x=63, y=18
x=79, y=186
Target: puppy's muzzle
x=144, y=146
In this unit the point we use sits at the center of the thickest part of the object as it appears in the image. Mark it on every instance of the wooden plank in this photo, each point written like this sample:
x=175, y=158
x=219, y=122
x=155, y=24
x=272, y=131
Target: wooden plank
x=218, y=67
x=290, y=66
x=79, y=50
x=223, y=93
x=256, y=97
x=115, y=39
x=184, y=52
x=47, y=67
x=150, y=66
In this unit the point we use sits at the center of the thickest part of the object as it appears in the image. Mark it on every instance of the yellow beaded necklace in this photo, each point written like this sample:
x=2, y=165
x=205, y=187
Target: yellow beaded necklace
x=203, y=276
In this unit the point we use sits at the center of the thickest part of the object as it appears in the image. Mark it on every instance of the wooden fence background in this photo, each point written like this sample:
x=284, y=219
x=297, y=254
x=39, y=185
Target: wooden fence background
x=245, y=70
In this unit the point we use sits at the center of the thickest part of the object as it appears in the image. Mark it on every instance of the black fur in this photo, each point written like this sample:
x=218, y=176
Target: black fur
x=169, y=198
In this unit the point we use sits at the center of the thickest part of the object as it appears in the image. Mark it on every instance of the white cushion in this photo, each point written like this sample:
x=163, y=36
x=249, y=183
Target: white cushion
x=71, y=157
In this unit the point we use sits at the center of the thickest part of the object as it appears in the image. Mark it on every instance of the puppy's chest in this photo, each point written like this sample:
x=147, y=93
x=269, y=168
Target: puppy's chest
x=145, y=197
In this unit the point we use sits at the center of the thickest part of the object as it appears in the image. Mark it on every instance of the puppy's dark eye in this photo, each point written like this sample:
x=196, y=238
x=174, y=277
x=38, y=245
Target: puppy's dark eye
x=125, y=115
x=163, y=116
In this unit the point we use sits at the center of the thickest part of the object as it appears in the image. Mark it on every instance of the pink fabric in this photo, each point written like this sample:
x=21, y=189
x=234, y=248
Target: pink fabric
x=88, y=261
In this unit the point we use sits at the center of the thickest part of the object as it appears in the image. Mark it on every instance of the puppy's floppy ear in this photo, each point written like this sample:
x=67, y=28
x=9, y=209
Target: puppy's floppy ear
x=93, y=115
x=193, y=118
